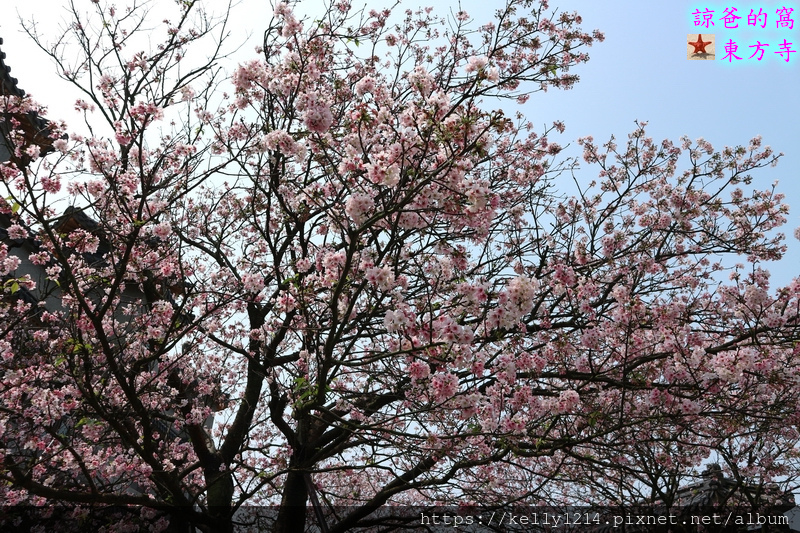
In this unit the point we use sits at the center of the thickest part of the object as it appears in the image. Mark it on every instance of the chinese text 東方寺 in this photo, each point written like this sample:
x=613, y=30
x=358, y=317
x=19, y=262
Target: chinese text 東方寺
x=785, y=51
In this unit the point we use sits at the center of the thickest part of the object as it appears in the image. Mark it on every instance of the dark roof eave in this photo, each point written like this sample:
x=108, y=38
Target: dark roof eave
x=7, y=82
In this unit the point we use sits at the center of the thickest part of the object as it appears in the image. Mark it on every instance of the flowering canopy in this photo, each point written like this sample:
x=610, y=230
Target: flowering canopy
x=365, y=271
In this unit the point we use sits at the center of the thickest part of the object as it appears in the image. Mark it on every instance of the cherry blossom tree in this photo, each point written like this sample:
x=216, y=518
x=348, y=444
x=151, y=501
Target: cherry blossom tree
x=342, y=278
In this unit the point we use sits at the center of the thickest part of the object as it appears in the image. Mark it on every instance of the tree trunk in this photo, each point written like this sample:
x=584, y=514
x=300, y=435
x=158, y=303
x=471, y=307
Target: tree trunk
x=292, y=514
x=219, y=495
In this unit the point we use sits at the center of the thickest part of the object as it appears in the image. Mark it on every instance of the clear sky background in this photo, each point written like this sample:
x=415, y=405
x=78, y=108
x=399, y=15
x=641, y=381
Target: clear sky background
x=639, y=72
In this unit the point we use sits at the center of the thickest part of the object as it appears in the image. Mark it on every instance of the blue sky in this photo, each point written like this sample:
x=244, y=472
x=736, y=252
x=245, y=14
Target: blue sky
x=639, y=72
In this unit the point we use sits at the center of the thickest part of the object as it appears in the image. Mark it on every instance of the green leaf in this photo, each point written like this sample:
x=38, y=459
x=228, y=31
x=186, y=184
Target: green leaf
x=14, y=204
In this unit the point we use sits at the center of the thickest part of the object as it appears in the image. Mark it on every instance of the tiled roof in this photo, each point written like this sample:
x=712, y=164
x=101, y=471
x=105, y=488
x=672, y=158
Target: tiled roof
x=713, y=492
x=72, y=219
x=36, y=128
x=7, y=82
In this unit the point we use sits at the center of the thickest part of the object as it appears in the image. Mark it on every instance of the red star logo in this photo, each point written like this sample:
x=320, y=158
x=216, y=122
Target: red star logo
x=700, y=45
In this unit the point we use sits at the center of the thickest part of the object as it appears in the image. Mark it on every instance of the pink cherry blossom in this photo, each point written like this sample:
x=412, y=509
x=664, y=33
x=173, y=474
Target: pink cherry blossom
x=163, y=230
x=15, y=231
x=444, y=386
x=358, y=207
x=252, y=282
x=318, y=117
x=345, y=274
x=476, y=63
x=381, y=277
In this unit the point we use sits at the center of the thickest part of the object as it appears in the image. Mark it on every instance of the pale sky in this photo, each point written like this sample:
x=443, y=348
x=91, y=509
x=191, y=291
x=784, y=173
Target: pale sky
x=639, y=72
